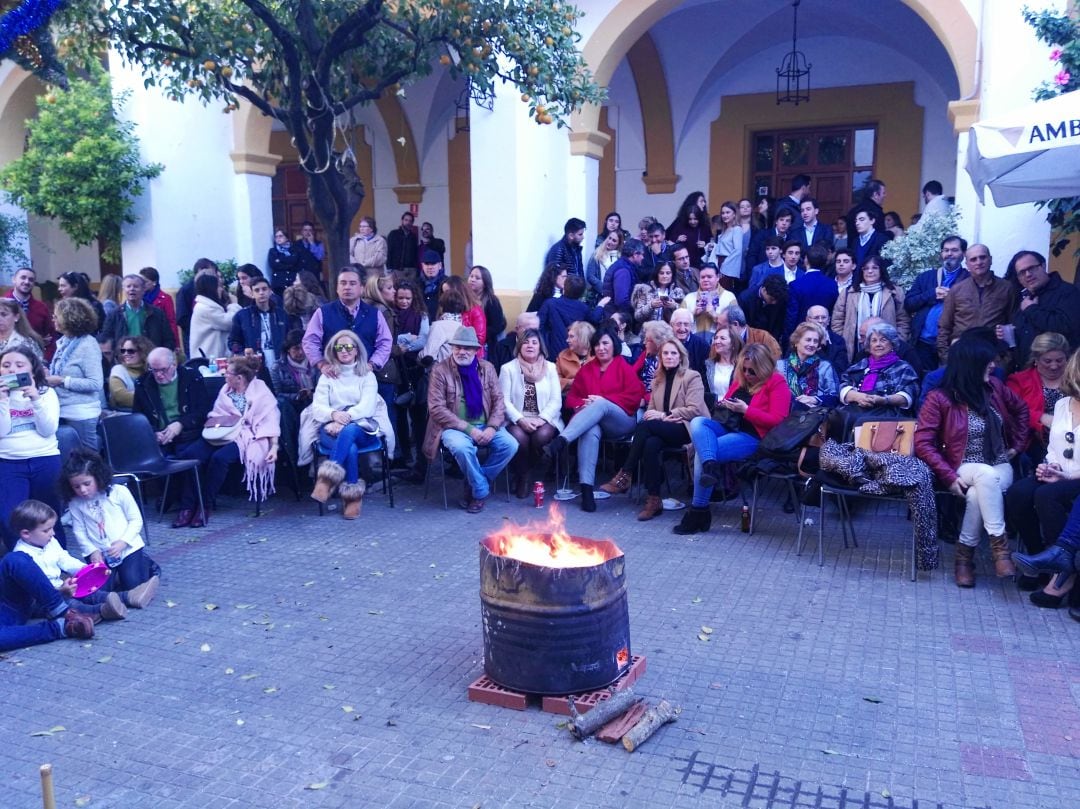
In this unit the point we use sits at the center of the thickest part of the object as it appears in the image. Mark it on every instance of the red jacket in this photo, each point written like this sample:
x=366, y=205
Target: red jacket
x=40, y=319
x=165, y=303
x=769, y=406
x=1027, y=384
x=941, y=435
x=617, y=383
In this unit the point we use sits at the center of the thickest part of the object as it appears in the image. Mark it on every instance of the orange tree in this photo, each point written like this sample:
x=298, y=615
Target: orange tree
x=309, y=63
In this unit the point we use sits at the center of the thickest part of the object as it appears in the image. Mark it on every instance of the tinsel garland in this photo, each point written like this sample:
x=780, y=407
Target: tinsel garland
x=22, y=20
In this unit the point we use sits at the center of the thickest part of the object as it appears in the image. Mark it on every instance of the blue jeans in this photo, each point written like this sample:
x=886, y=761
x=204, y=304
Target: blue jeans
x=30, y=478
x=346, y=449
x=712, y=442
x=24, y=593
x=465, y=452
x=72, y=434
x=603, y=419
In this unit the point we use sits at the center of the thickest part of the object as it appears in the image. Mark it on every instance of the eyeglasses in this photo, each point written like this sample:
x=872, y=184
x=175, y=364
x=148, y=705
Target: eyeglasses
x=1067, y=453
x=164, y=370
x=344, y=347
x=129, y=351
x=1030, y=269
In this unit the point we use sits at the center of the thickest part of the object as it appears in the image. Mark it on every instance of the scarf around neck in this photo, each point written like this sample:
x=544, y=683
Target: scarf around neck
x=870, y=297
x=472, y=388
x=284, y=249
x=532, y=371
x=875, y=366
x=803, y=380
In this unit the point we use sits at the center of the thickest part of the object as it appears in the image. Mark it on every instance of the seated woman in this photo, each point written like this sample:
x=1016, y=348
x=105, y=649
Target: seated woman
x=577, y=352
x=720, y=365
x=757, y=402
x=678, y=396
x=811, y=379
x=132, y=353
x=29, y=454
x=1039, y=385
x=657, y=299
x=452, y=305
x=533, y=399
x=881, y=386
x=249, y=402
x=604, y=396
x=345, y=404
x=653, y=335
x=1059, y=560
x=969, y=431
x=1040, y=504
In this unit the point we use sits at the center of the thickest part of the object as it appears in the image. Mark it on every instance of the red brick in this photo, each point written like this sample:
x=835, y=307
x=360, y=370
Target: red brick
x=614, y=730
x=490, y=693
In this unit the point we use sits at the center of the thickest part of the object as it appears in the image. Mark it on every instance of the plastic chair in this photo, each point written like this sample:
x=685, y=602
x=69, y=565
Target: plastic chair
x=387, y=479
x=132, y=450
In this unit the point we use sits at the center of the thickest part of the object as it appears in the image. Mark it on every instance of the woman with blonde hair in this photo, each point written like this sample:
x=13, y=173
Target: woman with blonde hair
x=607, y=253
x=379, y=292
x=110, y=292
x=76, y=374
x=345, y=404
x=578, y=340
x=132, y=355
x=15, y=329
x=1039, y=385
x=678, y=396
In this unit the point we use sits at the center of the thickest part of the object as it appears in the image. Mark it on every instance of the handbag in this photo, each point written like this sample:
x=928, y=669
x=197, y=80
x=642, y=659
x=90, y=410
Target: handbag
x=801, y=428
x=221, y=430
x=886, y=436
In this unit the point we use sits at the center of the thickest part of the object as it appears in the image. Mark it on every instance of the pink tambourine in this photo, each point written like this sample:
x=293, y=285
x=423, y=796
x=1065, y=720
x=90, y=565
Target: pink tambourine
x=90, y=579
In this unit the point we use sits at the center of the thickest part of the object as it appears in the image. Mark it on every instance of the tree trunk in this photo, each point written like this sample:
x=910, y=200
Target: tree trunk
x=335, y=198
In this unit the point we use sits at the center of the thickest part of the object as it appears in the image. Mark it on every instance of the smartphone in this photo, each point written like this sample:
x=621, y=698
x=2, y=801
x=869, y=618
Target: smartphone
x=15, y=381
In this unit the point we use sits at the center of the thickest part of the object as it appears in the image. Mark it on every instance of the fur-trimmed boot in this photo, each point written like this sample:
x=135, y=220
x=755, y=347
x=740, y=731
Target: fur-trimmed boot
x=352, y=496
x=329, y=478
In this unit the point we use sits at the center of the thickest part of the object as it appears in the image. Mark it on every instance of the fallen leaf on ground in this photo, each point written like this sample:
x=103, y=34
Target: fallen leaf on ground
x=104, y=659
x=245, y=606
x=390, y=723
x=270, y=690
x=716, y=686
x=376, y=573
x=696, y=600
x=229, y=671
x=170, y=604
x=708, y=630
x=886, y=794
x=309, y=583
x=82, y=800
x=318, y=785
x=874, y=700
x=210, y=607
x=374, y=612
x=550, y=762
x=704, y=638
x=348, y=708
x=482, y=727
x=205, y=647
x=248, y=676
x=830, y=752
x=329, y=687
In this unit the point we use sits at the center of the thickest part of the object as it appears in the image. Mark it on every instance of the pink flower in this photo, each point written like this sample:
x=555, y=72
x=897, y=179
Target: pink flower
x=1062, y=78
x=1055, y=55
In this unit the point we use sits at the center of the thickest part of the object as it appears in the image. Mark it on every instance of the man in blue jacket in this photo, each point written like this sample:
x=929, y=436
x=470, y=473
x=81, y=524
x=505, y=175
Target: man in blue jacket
x=926, y=299
x=621, y=276
x=812, y=288
x=567, y=251
x=262, y=326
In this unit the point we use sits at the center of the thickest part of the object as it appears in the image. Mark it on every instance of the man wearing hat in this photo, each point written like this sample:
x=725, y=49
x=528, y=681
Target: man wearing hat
x=432, y=276
x=466, y=413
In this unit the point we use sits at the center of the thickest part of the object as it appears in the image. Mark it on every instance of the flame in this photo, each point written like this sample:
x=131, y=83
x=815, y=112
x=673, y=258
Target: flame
x=549, y=545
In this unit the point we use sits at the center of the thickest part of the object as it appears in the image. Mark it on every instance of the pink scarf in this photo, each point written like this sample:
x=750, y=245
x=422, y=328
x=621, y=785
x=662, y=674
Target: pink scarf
x=262, y=422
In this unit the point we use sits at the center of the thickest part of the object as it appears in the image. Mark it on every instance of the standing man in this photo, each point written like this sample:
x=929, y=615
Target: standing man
x=814, y=288
x=1046, y=304
x=261, y=327
x=843, y=269
x=466, y=412
x=136, y=317
x=428, y=241
x=567, y=251
x=926, y=299
x=658, y=252
x=812, y=231
x=934, y=202
x=402, y=248
x=873, y=197
x=310, y=251
x=982, y=299
x=781, y=229
x=620, y=278
x=800, y=190
x=431, y=281
x=36, y=312
x=685, y=275
x=348, y=312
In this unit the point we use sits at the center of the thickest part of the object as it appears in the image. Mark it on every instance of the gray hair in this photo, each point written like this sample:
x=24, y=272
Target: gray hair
x=735, y=315
x=886, y=330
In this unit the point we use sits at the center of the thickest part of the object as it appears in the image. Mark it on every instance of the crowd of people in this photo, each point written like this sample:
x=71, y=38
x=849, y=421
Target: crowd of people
x=693, y=341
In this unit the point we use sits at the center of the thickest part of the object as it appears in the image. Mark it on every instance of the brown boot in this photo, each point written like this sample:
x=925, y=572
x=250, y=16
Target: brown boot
x=352, y=497
x=653, y=506
x=330, y=476
x=620, y=484
x=999, y=551
x=965, y=565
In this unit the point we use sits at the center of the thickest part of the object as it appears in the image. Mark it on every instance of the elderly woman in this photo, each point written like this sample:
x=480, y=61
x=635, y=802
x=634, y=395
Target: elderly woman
x=604, y=396
x=211, y=319
x=758, y=400
x=882, y=385
x=533, y=399
x=244, y=426
x=133, y=354
x=577, y=352
x=1039, y=385
x=75, y=373
x=15, y=329
x=29, y=454
x=678, y=396
x=367, y=248
x=969, y=431
x=345, y=405
x=871, y=294
x=1049, y=495
x=720, y=364
x=811, y=379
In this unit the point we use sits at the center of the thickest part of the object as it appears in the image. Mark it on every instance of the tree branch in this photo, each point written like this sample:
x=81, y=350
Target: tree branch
x=350, y=34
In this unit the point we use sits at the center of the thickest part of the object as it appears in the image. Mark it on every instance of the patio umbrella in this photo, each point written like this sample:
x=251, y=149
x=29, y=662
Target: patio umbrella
x=1031, y=154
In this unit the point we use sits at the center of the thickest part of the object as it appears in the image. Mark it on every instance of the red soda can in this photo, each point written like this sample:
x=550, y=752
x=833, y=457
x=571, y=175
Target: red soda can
x=538, y=494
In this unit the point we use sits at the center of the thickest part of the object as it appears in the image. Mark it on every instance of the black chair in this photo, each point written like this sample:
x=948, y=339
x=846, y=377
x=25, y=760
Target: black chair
x=791, y=481
x=132, y=450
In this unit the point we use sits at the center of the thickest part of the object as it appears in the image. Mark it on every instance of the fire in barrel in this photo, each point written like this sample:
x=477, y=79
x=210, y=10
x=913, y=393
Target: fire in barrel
x=554, y=609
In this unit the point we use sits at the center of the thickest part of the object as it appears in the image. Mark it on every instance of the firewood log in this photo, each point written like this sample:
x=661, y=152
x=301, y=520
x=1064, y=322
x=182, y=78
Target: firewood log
x=650, y=723
x=583, y=725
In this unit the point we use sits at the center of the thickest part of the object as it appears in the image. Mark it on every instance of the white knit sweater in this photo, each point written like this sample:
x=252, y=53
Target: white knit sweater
x=27, y=428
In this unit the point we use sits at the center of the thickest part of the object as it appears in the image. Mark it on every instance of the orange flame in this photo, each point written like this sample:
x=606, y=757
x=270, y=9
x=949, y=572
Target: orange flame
x=549, y=545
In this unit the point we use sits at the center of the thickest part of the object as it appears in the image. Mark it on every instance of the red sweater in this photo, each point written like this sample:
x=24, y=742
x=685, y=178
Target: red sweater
x=769, y=406
x=617, y=383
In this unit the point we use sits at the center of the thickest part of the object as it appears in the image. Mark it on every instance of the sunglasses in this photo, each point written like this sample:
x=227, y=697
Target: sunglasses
x=748, y=371
x=129, y=351
x=344, y=347
x=1068, y=453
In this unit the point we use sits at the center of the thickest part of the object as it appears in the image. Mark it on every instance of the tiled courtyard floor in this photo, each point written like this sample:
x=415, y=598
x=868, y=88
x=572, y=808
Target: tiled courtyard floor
x=299, y=661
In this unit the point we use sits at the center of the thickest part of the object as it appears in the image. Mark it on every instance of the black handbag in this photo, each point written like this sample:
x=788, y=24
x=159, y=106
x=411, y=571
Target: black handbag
x=785, y=439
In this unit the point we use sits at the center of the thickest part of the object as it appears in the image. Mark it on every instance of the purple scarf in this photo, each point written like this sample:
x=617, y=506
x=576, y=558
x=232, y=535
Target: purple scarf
x=406, y=321
x=875, y=366
x=473, y=389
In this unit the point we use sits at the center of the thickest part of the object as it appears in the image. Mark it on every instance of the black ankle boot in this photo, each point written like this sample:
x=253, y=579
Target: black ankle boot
x=710, y=474
x=696, y=520
x=588, y=502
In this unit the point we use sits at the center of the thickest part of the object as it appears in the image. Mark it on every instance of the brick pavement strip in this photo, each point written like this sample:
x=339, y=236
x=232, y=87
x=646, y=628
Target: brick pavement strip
x=291, y=651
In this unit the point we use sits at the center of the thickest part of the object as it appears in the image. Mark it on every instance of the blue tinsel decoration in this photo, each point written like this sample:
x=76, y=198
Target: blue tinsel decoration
x=24, y=19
